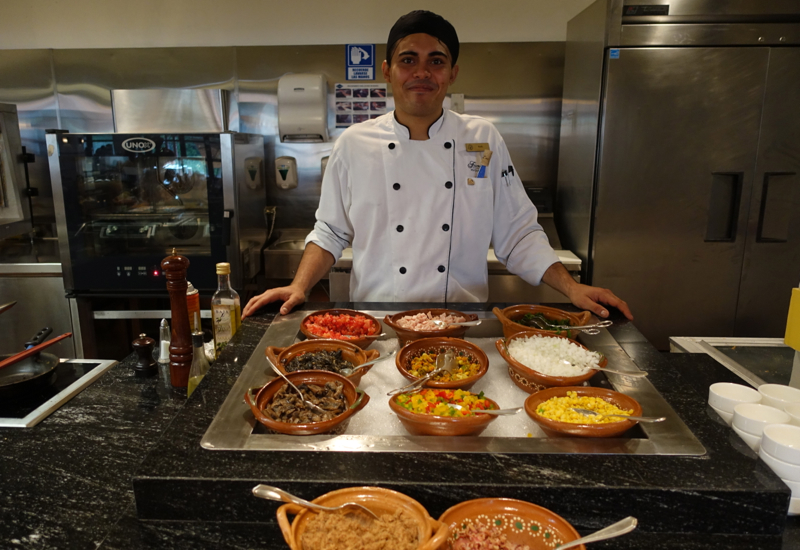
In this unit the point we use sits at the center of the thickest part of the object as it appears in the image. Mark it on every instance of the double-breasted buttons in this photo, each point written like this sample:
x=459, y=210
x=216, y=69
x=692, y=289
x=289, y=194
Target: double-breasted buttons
x=448, y=184
x=399, y=228
x=445, y=227
x=447, y=145
x=441, y=269
x=402, y=271
x=396, y=186
x=391, y=146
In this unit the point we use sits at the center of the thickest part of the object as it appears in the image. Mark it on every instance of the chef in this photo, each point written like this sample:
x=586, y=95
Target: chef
x=422, y=192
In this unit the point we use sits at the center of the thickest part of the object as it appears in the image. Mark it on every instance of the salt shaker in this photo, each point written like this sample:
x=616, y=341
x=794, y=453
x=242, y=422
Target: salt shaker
x=145, y=364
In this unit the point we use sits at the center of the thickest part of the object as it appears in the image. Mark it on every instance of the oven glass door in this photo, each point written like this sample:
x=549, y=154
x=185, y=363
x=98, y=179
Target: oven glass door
x=130, y=200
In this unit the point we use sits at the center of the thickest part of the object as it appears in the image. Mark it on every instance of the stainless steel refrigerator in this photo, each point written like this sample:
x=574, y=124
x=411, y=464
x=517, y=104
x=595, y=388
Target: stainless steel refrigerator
x=679, y=159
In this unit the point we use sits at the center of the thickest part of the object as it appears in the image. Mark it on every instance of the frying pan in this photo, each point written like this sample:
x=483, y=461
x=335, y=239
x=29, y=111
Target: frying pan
x=29, y=374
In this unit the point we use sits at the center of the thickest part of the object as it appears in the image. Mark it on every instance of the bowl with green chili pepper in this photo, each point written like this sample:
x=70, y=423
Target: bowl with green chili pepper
x=532, y=317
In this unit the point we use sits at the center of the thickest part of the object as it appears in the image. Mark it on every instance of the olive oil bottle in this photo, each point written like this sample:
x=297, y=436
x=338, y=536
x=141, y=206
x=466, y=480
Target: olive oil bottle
x=226, y=309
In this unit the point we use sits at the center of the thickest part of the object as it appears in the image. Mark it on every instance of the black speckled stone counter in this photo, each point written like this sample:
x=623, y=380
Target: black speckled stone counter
x=66, y=483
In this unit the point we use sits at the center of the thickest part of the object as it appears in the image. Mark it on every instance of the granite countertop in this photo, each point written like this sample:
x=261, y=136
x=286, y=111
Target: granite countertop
x=120, y=466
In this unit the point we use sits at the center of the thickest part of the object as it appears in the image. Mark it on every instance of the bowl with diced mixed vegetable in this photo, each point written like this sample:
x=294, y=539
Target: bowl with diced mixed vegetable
x=341, y=324
x=418, y=323
x=329, y=355
x=443, y=412
x=538, y=360
x=552, y=410
x=532, y=317
x=505, y=523
x=418, y=359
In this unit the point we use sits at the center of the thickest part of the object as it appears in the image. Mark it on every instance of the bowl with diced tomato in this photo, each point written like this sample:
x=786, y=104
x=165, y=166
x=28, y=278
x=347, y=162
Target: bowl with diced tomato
x=418, y=358
x=350, y=325
x=433, y=411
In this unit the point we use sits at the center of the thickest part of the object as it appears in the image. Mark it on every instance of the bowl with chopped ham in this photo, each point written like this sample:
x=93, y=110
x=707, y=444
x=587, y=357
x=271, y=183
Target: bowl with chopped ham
x=418, y=323
x=505, y=524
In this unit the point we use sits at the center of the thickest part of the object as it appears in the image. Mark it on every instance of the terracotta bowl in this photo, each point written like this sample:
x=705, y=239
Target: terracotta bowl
x=531, y=380
x=360, y=342
x=356, y=400
x=509, y=316
x=405, y=335
x=350, y=352
x=434, y=345
x=428, y=424
x=521, y=522
x=431, y=533
x=554, y=428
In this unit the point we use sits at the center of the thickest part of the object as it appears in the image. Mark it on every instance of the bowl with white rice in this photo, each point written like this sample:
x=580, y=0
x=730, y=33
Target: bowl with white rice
x=418, y=323
x=537, y=361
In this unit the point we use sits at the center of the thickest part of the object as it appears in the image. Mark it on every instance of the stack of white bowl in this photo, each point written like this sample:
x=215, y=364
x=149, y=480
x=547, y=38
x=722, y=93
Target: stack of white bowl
x=768, y=420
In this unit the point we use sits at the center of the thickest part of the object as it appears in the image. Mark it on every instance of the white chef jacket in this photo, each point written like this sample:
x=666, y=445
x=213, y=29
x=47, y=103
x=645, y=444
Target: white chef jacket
x=420, y=231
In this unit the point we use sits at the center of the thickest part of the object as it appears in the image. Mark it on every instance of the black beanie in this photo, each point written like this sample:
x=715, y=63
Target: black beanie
x=422, y=21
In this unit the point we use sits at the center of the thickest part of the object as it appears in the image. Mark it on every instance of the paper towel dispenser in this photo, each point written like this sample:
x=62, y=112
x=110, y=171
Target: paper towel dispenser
x=303, y=108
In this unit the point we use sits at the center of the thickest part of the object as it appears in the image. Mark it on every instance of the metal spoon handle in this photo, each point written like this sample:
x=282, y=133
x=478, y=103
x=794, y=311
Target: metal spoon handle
x=620, y=528
x=500, y=411
x=368, y=363
x=269, y=492
x=414, y=384
x=302, y=397
x=639, y=374
x=652, y=419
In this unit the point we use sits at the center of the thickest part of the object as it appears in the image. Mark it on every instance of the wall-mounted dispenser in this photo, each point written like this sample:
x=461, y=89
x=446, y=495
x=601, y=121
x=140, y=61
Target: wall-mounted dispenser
x=252, y=172
x=303, y=108
x=286, y=172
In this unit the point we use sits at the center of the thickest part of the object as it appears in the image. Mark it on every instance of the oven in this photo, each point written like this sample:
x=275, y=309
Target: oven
x=126, y=201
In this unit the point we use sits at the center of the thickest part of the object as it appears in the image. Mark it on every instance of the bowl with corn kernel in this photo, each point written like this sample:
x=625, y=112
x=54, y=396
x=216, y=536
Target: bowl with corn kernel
x=552, y=410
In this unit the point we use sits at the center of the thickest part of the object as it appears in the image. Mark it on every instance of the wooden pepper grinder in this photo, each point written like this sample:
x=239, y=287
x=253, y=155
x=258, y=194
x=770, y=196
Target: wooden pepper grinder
x=180, y=348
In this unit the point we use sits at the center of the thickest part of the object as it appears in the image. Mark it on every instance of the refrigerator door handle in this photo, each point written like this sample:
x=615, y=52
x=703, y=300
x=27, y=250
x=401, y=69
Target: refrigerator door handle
x=777, y=204
x=723, y=206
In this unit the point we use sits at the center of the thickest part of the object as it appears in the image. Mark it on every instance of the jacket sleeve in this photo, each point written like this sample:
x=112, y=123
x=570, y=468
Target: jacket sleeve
x=519, y=241
x=333, y=230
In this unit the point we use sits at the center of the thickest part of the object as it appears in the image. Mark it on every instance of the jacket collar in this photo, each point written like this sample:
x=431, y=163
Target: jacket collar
x=402, y=131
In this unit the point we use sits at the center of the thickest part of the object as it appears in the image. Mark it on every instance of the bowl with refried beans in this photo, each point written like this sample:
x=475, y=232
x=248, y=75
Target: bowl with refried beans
x=404, y=523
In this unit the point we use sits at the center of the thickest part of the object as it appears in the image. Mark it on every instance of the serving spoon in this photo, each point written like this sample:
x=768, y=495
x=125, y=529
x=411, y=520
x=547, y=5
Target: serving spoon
x=347, y=371
x=442, y=324
x=268, y=492
x=639, y=374
x=515, y=410
x=622, y=527
x=305, y=401
x=587, y=412
x=444, y=362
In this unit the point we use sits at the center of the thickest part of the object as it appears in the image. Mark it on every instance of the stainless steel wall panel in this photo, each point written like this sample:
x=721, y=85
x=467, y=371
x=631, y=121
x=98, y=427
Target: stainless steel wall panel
x=771, y=267
x=721, y=34
x=679, y=116
x=184, y=110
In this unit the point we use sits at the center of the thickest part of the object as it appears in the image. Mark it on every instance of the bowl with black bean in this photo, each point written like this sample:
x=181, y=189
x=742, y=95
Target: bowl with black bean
x=280, y=408
x=328, y=355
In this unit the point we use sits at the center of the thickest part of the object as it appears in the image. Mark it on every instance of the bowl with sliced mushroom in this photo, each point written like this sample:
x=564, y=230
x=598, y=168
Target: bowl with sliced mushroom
x=279, y=407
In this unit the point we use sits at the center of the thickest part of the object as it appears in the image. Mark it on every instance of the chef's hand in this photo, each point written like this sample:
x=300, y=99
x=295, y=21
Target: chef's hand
x=291, y=295
x=591, y=298
x=585, y=297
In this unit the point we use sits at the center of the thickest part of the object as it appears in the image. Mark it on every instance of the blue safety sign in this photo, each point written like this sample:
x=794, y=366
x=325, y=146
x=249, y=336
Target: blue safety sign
x=360, y=61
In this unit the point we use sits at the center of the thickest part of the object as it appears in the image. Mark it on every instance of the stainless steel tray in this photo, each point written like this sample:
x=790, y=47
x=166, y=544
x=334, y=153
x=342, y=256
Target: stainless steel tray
x=375, y=429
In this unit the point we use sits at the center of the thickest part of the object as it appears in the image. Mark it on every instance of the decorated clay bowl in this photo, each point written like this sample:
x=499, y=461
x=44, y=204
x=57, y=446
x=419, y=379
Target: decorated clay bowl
x=439, y=345
x=510, y=315
x=531, y=380
x=406, y=335
x=430, y=532
x=554, y=428
x=428, y=424
x=280, y=357
x=356, y=400
x=521, y=522
x=361, y=342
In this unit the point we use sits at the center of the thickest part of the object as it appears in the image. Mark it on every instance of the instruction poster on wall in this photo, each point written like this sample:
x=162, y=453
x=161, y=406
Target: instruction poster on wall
x=356, y=102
